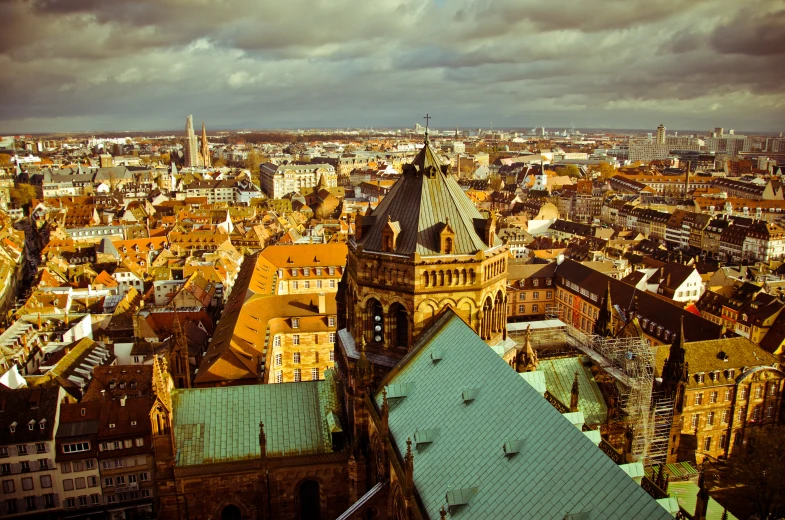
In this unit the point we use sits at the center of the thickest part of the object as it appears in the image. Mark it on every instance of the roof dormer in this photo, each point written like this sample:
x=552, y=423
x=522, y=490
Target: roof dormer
x=447, y=239
x=390, y=235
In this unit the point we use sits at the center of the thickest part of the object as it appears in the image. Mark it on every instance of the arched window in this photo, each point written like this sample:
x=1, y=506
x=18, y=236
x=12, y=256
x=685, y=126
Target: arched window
x=401, y=323
x=231, y=512
x=376, y=315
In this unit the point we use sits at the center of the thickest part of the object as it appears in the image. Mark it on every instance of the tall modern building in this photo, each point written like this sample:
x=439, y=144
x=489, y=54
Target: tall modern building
x=661, y=134
x=204, y=153
x=190, y=148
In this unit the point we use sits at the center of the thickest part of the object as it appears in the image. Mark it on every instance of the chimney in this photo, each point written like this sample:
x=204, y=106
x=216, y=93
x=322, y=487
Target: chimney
x=322, y=303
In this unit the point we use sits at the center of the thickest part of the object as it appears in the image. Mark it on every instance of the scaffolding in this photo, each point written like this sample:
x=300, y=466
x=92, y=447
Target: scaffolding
x=630, y=361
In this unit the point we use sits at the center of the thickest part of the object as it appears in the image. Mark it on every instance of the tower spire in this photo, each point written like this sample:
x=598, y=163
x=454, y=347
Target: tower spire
x=427, y=122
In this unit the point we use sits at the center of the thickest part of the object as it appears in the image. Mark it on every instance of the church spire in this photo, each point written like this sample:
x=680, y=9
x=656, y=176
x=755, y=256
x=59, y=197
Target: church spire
x=604, y=324
x=205, y=151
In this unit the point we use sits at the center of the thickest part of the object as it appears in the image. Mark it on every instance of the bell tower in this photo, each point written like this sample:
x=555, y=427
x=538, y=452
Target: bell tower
x=423, y=249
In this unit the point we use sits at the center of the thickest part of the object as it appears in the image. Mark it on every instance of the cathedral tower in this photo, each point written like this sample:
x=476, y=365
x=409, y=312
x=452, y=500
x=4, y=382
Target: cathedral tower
x=204, y=153
x=424, y=248
x=190, y=148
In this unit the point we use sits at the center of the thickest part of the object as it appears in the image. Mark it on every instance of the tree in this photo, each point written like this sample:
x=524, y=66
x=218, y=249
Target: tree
x=759, y=467
x=252, y=161
x=572, y=171
x=22, y=194
x=606, y=170
x=5, y=159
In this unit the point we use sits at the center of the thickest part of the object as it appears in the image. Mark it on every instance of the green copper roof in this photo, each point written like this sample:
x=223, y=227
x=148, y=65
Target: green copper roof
x=222, y=424
x=559, y=375
x=687, y=495
x=558, y=471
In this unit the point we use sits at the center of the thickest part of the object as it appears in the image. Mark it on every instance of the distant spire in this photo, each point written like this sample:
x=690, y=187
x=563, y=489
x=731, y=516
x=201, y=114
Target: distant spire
x=604, y=324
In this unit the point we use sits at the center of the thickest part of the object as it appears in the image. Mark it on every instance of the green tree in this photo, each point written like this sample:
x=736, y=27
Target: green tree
x=759, y=467
x=572, y=171
x=252, y=161
x=22, y=194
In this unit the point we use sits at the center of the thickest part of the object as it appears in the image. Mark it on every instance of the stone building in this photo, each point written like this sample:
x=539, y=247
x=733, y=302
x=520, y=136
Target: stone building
x=721, y=388
x=278, y=181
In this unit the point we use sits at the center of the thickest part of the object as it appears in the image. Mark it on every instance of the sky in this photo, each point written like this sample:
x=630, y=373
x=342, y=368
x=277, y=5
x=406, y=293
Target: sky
x=101, y=65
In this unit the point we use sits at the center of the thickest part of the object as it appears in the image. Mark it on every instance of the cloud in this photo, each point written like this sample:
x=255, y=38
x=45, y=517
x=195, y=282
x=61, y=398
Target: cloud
x=145, y=64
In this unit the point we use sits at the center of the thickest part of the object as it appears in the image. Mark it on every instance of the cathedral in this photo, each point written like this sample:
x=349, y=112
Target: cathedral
x=421, y=417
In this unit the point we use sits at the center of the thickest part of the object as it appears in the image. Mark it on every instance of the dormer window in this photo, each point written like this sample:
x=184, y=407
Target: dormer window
x=294, y=272
x=306, y=271
x=31, y=425
x=12, y=427
x=295, y=323
x=42, y=424
x=390, y=235
x=700, y=377
x=731, y=373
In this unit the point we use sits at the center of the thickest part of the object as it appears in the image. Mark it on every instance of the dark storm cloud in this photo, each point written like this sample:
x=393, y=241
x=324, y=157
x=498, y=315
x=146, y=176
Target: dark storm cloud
x=90, y=64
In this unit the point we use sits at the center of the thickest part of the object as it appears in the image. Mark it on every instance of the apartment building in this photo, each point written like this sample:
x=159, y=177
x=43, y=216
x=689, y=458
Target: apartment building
x=531, y=291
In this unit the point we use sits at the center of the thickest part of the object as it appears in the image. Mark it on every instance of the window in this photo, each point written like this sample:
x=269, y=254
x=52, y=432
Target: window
x=332, y=356
x=296, y=357
x=331, y=321
x=521, y=308
x=117, y=444
x=21, y=449
x=3, y=452
x=108, y=482
x=728, y=394
x=8, y=486
x=713, y=397
x=725, y=416
x=315, y=374
x=119, y=463
x=46, y=481
x=70, y=502
x=295, y=323
x=548, y=294
x=331, y=337
x=535, y=282
x=707, y=444
x=294, y=272
x=30, y=503
x=332, y=284
x=306, y=271
x=535, y=308
x=80, y=483
x=95, y=499
x=699, y=398
x=773, y=389
x=111, y=499
x=6, y=469
x=49, y=500
x=769, y=410
x=120, y=480
x=295, y=285
x=318, y=284
x=756, y=413
x=279, y=376
x=307, y=284
x=65, y=467
x=25, y=466
x=744, y=390
x=297, y=375
x=76, y=447
x=758, y=392
x=700, y=377
x=132, y=479
x=139, y=442
x=89, y=464
x=145, y=493
x=82, y=500
x=710, y=419
x=128, y=443
x=92, y=481
x=723, y=441
x=143, y=476
x=695, y=420
x=295, y=339
x=742, y=415
x=40, y=447
x=277, y=341
x=43, y=463
x=535, y=295
x=107, y=464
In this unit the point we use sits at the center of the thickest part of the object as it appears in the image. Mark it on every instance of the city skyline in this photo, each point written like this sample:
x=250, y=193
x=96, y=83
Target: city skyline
x=355, y=64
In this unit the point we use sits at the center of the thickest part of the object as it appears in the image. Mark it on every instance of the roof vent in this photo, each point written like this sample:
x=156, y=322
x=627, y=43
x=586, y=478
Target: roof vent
x=459, y=497
x=398, y=390
x=470, y=394
x=511, y=447
x=436, y=356
x=425, y=436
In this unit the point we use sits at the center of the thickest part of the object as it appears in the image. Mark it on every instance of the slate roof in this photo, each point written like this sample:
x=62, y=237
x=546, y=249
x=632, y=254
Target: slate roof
x=559, y=376
x=422, y=199
x=221, y=424
x=23, y=405
x=559, y=470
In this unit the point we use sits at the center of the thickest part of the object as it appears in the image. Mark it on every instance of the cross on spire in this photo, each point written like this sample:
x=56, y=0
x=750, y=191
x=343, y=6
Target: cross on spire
x=427, y=122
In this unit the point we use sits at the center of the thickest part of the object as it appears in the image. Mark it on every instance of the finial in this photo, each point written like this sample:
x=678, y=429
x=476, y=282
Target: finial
x=389, y=218
x=408, y=447
x=427, y=122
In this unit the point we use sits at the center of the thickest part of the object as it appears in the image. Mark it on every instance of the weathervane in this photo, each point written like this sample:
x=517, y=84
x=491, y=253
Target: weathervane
x=427, y=121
